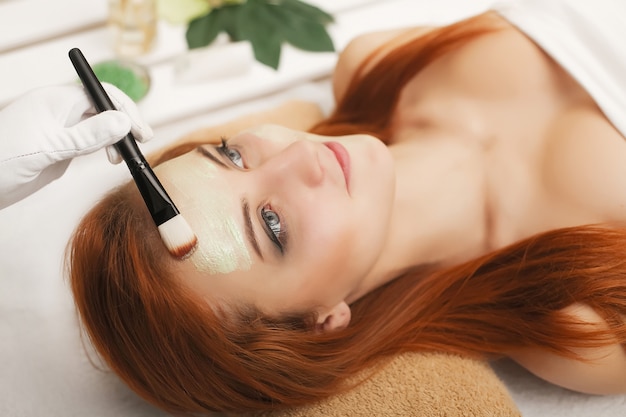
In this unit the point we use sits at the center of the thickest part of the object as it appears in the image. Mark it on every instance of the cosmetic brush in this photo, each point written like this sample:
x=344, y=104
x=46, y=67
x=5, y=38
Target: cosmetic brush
x=175, y=232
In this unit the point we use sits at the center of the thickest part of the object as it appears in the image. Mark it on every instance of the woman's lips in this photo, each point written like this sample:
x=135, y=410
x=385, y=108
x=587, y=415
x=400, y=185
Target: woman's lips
x=343, y=157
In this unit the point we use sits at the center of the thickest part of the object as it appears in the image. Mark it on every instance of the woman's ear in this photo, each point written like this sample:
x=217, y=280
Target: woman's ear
x=336, y=318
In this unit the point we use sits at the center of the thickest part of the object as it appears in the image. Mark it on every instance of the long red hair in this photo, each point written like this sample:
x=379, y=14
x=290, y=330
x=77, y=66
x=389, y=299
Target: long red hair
x=178, y=353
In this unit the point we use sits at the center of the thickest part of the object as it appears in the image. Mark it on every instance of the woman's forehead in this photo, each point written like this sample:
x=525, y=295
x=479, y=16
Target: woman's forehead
x=202, y=193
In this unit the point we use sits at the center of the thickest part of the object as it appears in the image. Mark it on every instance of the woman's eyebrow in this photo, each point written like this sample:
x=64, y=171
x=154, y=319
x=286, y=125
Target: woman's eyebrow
x=245, y=208
x=212, y=157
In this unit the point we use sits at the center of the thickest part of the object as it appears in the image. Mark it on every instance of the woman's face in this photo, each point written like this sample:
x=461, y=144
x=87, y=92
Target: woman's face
x=286, y=221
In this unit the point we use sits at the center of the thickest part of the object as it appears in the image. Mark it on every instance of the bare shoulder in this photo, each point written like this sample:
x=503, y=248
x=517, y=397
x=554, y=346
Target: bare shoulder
x=362, y=46
x=381, y=42
x=603, y=371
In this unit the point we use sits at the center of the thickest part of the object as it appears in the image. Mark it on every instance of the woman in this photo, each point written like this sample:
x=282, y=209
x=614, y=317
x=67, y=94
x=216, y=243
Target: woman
x=472, y=231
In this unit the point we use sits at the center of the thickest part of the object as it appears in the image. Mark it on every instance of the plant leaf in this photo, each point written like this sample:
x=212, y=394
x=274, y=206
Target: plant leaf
x=231, y=20
x=203, y=30
x=267, y=50
x=260, y=28
x=311, y=37
x=302, y=33
x=266, y=24
x=308, y=11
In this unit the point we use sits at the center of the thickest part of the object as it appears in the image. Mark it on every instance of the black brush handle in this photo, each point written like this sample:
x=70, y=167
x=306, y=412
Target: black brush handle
x=159, y=203
x=127, y=146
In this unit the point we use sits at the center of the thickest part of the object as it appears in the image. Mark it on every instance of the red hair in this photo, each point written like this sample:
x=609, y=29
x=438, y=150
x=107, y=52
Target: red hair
x=171, y=348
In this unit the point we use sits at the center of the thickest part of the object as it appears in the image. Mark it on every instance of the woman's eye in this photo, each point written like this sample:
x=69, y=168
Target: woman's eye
x=272, y=221
x=275, y=230
x=233, y=154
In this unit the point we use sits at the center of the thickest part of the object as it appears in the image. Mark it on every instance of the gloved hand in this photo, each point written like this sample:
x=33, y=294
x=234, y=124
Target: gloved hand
x=44, y=129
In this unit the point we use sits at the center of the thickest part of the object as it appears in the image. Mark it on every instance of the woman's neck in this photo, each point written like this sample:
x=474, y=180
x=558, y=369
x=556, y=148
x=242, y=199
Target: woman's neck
x=439, y=213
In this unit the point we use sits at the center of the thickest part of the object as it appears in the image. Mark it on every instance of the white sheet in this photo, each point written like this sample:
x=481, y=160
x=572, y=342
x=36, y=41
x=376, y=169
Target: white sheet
x=44, y=370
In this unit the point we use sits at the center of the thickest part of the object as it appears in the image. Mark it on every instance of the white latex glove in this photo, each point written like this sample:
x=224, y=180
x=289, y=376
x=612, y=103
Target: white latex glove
x=44, y=129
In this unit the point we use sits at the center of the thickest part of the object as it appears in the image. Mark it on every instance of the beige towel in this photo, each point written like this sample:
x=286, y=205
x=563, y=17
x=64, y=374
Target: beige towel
x=418, y=384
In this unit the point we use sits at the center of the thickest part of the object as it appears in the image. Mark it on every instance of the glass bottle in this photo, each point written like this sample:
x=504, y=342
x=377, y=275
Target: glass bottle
x=133, y=24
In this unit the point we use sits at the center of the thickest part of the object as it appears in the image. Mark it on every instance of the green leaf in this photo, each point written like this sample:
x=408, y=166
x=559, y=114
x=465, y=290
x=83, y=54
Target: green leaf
x=301, y=32
x=266, y=24
x=307, y=35
x=306, y=10
x=267, y=50
x=231, y=16
x=203, y=30
x=259, y=27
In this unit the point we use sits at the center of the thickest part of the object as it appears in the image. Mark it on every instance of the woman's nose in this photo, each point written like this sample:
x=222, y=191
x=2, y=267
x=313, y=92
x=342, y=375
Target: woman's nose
x=298, y=161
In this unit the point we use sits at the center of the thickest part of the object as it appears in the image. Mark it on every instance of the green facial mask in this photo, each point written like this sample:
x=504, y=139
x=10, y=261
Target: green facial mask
x=210, y=212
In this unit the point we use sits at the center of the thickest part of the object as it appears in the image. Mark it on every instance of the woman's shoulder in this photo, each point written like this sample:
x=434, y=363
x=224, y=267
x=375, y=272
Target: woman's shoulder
x=369, y=48
x=374, y=44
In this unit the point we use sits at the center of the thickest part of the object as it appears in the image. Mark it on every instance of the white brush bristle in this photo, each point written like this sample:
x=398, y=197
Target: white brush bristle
x=178, y=237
